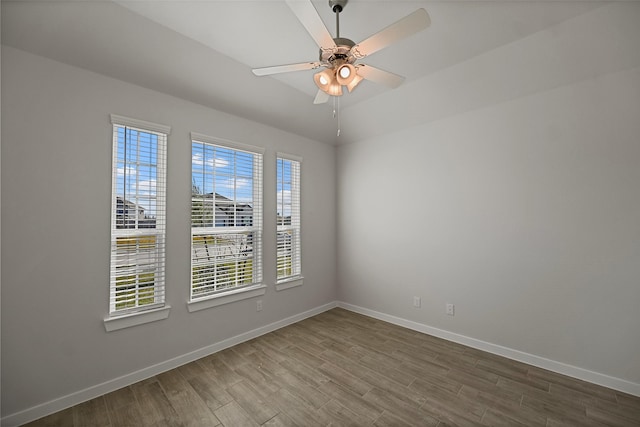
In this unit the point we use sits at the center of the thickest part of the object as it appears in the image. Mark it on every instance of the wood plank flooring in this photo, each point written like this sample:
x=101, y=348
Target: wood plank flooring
x=341, y=368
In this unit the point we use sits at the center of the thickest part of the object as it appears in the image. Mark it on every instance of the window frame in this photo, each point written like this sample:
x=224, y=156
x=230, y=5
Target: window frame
x=256, y=287
x=294, y=279
x=158, y=310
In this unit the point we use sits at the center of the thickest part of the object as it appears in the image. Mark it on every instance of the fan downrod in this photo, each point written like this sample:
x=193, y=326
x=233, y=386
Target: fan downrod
x=340, y=55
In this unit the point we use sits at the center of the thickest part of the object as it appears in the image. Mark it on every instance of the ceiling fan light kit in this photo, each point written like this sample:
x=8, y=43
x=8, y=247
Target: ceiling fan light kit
x=326, y=82
x=339, y=55
x=345, y=74
x=354, y=82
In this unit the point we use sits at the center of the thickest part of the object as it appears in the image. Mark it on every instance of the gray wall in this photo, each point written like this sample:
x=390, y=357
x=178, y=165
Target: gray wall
x=524, y=214
x=510, y=189
x=56, y=174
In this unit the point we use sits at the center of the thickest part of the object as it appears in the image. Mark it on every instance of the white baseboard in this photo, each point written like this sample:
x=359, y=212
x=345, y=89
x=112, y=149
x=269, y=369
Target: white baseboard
x=531, y=359
x=72, y=399
x=92, y=392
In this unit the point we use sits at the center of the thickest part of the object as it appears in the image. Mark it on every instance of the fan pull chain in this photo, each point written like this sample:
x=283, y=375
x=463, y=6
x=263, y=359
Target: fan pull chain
x=336, y=111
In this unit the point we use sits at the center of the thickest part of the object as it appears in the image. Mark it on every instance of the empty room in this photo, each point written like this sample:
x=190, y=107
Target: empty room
x=320, y=212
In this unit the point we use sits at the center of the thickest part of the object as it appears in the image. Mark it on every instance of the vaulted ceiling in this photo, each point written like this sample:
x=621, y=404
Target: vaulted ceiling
x=203, y=51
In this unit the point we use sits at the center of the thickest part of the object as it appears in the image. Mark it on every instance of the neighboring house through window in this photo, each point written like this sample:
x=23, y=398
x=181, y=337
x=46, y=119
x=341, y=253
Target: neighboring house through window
x=288, y=260
x=137, y=280
x=226, y=218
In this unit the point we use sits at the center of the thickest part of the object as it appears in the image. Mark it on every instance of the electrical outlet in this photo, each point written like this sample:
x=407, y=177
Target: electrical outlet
x=416, y=302
x=259, y=305
x=451, y=309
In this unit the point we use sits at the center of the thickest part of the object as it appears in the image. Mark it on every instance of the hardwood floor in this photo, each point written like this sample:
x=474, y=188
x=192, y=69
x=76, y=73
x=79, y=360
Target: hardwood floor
x=342, y=368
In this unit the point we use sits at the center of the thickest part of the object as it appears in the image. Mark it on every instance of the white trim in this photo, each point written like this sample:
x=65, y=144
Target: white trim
x=288, y=156
x=531, y=359
x=89, y=393
x=226, y=297
x=140, y=124
x=115, y=323
x=289, y=283
x=39, y=411
x=199, y=137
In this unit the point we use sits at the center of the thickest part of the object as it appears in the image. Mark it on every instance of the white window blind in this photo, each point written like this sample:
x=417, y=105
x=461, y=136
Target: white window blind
x=288, y=217
x=226, y=216
x=138, y=207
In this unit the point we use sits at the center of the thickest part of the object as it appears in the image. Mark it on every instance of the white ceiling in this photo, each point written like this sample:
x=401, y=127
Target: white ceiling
x=203, y=51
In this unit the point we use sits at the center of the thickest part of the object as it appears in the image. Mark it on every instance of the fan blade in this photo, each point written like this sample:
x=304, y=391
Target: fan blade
x=377, y=75
x=321, y=97
x=310, y=19
x=407, y=26
x=286, y=68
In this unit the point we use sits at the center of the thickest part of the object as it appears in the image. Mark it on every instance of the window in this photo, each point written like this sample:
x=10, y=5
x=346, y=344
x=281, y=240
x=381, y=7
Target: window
x=226, y=218
x=137, y=216
x=288, y=218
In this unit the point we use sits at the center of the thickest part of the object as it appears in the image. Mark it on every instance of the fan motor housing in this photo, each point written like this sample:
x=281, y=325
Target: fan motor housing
x=340, y=55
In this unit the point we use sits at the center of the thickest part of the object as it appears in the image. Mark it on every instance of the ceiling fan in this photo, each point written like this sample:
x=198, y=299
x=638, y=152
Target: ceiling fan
x=339, y=55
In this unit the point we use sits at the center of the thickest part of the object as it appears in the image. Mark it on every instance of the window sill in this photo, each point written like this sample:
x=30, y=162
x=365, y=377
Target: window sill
x=226, y=298
x=289, y=283
x=134, y=319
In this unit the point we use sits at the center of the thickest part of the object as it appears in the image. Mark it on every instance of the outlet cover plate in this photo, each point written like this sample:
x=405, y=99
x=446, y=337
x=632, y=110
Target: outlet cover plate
x=450, y=309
